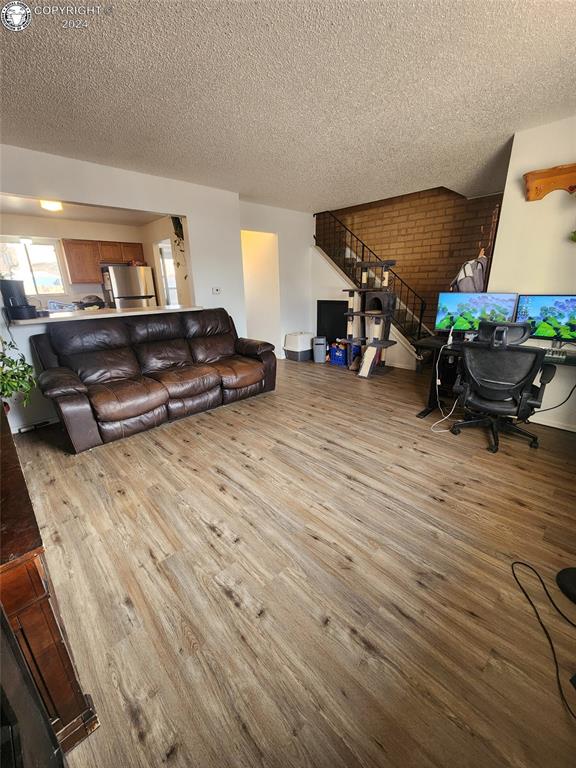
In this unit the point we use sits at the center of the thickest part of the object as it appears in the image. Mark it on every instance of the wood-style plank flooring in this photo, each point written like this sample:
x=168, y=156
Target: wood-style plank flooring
x=312, y=578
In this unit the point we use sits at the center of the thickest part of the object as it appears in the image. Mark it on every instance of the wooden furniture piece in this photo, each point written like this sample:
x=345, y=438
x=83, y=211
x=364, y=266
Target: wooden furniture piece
x=27, y=736
x=84, y=257
x=27, y=598
x=540, y=183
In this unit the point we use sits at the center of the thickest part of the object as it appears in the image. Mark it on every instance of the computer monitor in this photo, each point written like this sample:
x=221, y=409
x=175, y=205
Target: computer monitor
x=463, y=311
x=551, y=317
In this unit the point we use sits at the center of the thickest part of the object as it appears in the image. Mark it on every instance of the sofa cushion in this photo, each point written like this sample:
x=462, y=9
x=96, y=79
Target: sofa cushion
x=81, y=336
x=97, y=350
x=238, y=371
x=115, y=430
x=210, y=334
x=241, y=393
x=187, y=382
x=185, y=406
x=126, y=398
x=206, y=322
x=160, y=355
x=154, y=327
x=106, y=365
x=209, y=349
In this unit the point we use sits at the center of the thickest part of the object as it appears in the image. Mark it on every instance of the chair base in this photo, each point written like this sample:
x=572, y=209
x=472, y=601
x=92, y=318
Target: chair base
x=495, y=424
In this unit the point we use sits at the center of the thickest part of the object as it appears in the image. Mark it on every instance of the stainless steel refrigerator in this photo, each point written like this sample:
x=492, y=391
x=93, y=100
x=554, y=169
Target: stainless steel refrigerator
x=127, y=287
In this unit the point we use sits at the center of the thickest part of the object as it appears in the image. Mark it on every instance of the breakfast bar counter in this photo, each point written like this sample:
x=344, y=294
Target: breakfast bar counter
x=96, y=314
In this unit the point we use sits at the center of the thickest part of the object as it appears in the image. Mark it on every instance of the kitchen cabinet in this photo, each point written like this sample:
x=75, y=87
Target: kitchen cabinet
x=111, y=253
x=132, y=252
x=28, y=599
x=84, y=257
x=83, y=260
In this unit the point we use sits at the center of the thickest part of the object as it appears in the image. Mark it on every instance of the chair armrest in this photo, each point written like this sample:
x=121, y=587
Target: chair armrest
x=59, y=382
x=547, y=374
x=252, y=347
x=532, y=399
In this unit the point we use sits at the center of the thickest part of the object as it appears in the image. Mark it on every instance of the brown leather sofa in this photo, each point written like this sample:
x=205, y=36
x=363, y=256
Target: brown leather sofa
x=111, y=378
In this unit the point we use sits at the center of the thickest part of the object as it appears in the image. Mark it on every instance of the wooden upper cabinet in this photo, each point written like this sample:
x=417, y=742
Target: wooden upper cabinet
x=84, y=257
x=132, y=252
x=83, y=260
x=111, y=252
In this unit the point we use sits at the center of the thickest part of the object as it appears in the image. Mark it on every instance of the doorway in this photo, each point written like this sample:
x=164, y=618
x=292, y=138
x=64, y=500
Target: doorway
x=168, y=271
x=260, y=264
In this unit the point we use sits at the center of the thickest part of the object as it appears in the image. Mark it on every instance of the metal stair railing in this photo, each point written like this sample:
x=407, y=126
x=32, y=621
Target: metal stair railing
x=347, y=251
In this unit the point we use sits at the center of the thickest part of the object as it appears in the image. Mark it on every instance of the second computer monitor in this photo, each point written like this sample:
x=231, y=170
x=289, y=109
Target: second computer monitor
x=551, y=317
x=463, y=311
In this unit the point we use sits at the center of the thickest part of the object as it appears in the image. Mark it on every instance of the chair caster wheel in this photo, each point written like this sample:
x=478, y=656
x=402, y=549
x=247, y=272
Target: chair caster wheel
x=455, y=430
x=534, y=444
x=493, y=448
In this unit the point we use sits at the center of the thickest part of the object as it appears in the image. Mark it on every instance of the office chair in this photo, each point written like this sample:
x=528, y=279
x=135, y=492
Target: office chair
x=496, y=384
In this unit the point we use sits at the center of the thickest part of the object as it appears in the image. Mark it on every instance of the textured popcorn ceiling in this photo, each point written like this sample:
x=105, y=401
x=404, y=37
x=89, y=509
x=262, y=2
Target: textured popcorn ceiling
x=308, y=105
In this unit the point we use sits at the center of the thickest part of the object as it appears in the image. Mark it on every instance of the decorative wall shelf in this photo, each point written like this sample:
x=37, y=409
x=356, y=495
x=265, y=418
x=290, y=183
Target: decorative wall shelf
x=540, y=183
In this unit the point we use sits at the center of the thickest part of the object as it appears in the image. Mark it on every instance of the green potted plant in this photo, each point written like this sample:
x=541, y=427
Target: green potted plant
x=16, y=375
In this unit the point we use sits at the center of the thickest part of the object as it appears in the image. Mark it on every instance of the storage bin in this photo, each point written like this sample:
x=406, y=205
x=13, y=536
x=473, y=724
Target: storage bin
x=298, y=346
x=338, y=356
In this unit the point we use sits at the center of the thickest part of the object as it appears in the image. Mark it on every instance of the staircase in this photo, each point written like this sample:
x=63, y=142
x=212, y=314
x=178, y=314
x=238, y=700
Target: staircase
x=347, y=251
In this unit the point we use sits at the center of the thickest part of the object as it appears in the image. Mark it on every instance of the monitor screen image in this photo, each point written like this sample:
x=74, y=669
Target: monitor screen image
x=551, y=317
x=463, y=311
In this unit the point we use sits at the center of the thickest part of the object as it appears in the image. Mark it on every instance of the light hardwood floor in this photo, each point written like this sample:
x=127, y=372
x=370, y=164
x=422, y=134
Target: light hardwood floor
x=312, y=578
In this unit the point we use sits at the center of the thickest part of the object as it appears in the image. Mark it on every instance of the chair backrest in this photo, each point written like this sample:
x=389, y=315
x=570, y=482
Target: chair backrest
x=501, y=373
x=503, y=334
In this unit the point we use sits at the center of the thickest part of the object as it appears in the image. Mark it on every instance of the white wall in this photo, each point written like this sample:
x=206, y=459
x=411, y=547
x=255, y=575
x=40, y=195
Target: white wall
x=212, y=215
x=41, y=226
x=532, y=253
x=295, y=232
x=262, y=286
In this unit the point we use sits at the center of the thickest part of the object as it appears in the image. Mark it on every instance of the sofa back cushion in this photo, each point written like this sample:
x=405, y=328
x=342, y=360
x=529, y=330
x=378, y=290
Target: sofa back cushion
x=210, y=334
x=97, y=350
x=158, y=341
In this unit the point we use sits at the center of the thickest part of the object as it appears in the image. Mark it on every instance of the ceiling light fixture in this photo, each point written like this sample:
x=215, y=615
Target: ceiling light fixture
x=51, y=205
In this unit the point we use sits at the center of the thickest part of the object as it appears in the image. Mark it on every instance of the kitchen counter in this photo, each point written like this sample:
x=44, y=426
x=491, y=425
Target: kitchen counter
x=91, y=314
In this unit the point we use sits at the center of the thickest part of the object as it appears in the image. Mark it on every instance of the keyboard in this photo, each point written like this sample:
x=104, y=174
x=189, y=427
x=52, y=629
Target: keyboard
x=555, y=355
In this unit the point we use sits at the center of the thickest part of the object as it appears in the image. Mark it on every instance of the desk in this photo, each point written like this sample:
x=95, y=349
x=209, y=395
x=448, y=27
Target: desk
x=435, y=345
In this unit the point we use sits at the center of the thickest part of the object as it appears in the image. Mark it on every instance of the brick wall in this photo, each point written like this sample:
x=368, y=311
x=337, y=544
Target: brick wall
x=430, y=234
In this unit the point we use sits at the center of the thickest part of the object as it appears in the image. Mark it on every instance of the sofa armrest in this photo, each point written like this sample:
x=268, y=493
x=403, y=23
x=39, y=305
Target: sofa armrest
x=252, y=347
x=60, y=382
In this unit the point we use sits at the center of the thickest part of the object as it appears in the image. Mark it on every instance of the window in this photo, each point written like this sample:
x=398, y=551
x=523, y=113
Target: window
x=168, y=272
x=33, y=261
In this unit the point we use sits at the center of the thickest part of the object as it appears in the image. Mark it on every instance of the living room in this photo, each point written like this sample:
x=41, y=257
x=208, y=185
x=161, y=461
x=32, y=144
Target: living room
x=248, y=519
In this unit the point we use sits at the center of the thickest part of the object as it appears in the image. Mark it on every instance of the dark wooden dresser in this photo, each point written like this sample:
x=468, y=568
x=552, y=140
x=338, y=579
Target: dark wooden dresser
x=28, y=600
